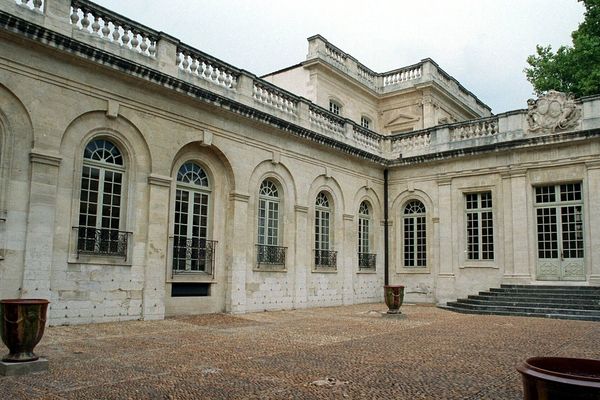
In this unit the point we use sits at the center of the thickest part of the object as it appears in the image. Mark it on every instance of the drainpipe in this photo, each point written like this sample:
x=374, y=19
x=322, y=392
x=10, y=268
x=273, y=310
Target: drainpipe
x=386, y=247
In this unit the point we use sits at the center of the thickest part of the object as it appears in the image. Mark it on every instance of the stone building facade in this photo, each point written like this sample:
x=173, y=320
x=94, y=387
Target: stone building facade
x=140, y=177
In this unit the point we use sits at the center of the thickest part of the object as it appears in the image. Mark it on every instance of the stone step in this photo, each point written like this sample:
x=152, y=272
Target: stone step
x=528, y=310
x=550, y=287
x=554, y=300
x=533, y=304
x=583, y=296
x=523, y=314
x=547, y=290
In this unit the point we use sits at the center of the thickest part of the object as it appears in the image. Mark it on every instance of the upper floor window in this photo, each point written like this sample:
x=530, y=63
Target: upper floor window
x=269, y=250
x=365, y=122
x=192, y=249
x=415, y=234
x=100, y=201
x=480, y=226
x=335, y=107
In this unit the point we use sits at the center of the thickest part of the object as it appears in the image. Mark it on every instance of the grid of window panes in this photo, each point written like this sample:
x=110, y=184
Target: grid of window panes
x=100, y=198
x=415, y=235
x=363, y=228
x=322, y=220
x=480, y=226
x=365, y=122
x=268, y=214
x=559, y=214
x=191, y=220
x=334, y=107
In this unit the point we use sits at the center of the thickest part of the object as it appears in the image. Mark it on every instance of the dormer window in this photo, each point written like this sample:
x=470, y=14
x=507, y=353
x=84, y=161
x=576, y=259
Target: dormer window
x=365, y=122
x=335, y=107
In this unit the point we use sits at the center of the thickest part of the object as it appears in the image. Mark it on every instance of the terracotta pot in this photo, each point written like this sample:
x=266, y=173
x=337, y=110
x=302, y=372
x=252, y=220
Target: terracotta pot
x=22, y=323
x=553, y=378
x=394, y=296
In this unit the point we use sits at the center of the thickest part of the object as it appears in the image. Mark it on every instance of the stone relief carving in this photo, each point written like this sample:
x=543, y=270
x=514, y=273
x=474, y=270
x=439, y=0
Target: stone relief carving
x=552, y=112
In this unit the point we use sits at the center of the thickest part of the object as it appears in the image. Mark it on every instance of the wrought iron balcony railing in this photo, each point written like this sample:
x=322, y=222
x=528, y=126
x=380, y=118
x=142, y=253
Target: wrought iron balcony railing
x=366, y=261
x=270, y=256
x=193, y=255
x=102, y=242
x=326, y=259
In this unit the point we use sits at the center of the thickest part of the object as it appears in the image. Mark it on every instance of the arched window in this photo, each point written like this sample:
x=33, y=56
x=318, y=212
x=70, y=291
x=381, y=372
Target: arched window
x=100, y=201
x=192, y=250
x=415, y=235
x=324, y=256
x=269, y=225
x=366, y=260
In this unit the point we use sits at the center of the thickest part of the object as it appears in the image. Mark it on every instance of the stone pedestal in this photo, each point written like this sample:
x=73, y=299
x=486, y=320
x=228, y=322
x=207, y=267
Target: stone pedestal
x=23, y=368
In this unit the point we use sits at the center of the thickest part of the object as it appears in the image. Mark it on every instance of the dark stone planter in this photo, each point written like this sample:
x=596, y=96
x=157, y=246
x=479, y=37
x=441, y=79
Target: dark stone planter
x=22, y=323
x=394, y=296
x=553, y=378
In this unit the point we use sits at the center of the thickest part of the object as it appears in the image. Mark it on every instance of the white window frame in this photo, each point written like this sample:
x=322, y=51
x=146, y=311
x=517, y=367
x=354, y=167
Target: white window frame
x=335, y=107
x=418, y=220
x=479, y=209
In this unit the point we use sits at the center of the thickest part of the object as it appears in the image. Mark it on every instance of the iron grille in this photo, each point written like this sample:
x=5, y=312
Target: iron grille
x=270, y=255
x=193, y=255
x=102, y=242
x=326, y=259
x=367, y=260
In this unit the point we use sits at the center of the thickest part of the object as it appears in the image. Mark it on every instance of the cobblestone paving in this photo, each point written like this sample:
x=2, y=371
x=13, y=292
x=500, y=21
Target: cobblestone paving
x=326, y=353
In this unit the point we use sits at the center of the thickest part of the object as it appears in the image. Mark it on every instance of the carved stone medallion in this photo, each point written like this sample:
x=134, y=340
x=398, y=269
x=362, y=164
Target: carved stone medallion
x=555, y=111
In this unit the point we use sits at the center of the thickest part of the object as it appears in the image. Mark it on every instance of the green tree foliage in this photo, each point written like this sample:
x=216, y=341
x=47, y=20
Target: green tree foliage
x=574, y=69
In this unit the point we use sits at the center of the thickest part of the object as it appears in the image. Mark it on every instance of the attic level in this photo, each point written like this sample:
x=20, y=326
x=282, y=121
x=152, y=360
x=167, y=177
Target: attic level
x=405, y=99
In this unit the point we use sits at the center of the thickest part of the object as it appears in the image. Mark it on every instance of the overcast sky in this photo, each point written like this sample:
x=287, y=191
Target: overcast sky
x=482, y=43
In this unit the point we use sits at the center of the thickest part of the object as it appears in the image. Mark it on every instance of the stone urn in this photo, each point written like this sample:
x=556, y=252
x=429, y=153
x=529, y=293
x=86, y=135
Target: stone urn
x=22, y=323
x=394, y=296
x=553, y=378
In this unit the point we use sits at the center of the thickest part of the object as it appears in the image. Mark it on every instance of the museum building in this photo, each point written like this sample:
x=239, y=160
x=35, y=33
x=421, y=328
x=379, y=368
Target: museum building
x=141, y=177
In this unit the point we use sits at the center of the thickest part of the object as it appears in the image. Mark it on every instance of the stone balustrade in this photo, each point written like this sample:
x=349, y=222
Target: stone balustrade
x=112, y=39
x=203, y=66
x=474, y=129
x=99, y=21
x=274, y=97
x=37, y=5
x=402, y=75
x=367, y=139
x=327, y=121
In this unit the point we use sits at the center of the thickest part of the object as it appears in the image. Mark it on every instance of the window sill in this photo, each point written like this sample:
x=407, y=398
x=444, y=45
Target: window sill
x=116, y=261
x=324, y=270
x=367, y=271
x=479, y=264
x=414, y=270
x=270, y=268
x=200, y=277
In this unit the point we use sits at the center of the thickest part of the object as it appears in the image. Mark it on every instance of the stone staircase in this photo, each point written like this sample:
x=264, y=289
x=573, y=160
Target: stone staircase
x=562, y=302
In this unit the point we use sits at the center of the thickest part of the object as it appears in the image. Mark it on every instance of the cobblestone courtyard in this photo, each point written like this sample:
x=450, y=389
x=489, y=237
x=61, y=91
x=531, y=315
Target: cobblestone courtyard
x=432, y=354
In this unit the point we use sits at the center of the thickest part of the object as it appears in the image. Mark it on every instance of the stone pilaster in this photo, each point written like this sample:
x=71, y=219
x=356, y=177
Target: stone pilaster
x=237, y=246
x=347, y=266
x=445, y=276
x=520, y=226
x=40, y=225
x=593, y=179
x=153, y=299
x=302, y=266
x=509, y=266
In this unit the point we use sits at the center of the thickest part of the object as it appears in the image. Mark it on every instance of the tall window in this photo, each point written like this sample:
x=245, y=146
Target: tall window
x=365, y=258
x=480, y=226
x=192, y=251
x=269, y=251
x=415, y=235
x=324, y=256
x=100, y=200
x=335, y=107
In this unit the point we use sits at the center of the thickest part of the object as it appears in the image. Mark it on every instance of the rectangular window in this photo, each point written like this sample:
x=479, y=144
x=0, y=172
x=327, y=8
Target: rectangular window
x=480, y=226
x=365, y=122
x=334, y=107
